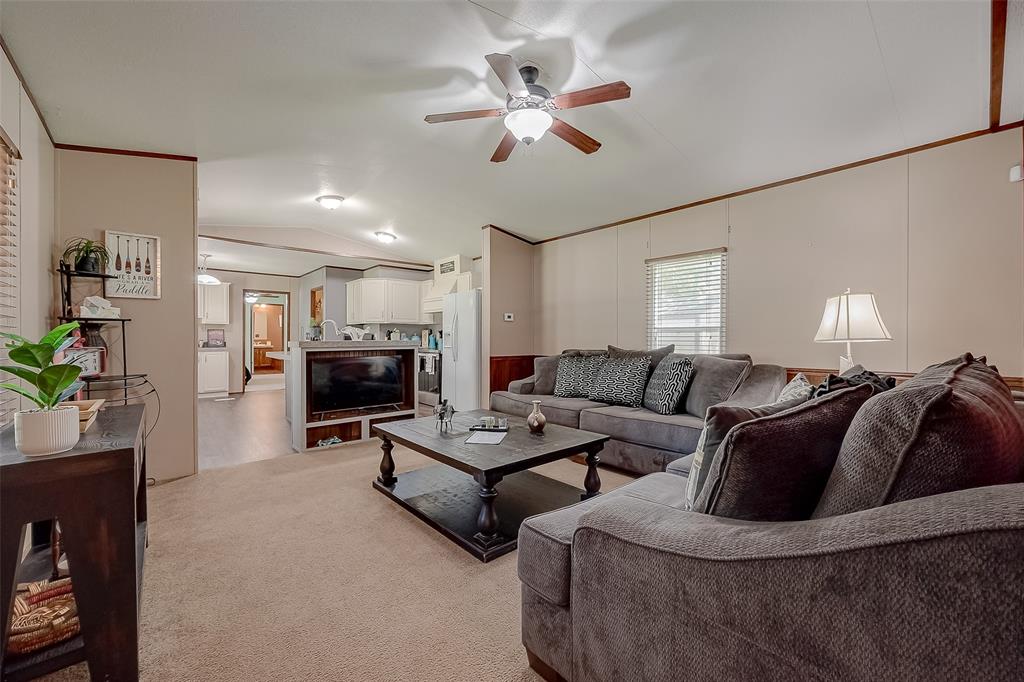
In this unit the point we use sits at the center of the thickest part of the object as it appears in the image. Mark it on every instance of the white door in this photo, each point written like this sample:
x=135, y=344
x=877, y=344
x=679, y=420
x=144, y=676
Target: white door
x=214, y=372
x=403, y=302
x=374, y=300
x=200, y=301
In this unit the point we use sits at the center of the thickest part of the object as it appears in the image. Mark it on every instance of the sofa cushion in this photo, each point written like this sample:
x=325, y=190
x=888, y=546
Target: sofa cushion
x=680, y=467
x=720, y=420
x=564, y=411
x=714, y=380
x=656, y=355
x=668, y=385
x=621, y=381
x=675, y=432
x=775, y=468
x=576, y=375
x=545, y=541
x=545, y=371
x=953, y=426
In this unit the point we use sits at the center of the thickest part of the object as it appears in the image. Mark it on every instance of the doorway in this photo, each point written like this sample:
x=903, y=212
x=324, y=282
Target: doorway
x=266, y=318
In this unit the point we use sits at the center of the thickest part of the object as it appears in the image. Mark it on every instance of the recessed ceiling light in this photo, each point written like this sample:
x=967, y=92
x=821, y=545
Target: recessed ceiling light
x=331, y=201
x=385, y=237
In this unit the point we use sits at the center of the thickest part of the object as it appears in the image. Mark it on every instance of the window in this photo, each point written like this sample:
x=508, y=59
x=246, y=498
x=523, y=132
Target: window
x=9, y=298
x=686, y=302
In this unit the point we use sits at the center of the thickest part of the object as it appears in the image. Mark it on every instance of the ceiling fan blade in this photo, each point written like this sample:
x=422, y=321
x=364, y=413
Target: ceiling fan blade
x=577, y=138
x=505, y=68
x=608, y=92
x=505, y=148
x=463, y=115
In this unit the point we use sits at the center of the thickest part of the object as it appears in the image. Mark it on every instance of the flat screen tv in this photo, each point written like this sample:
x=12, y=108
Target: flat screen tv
x=350, y=383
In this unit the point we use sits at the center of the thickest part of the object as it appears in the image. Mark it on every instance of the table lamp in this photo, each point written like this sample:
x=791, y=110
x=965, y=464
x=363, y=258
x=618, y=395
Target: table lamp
x=850, y=318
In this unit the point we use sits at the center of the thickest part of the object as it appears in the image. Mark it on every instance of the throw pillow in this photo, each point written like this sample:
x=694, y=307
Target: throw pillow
x=656, y=355
x=714, y=380
x=953, y=426
x=668, y=384
x=855, y=376
x=720, y=420
x=545, y=370
x=775, y=468
x=576, y=374
x=799, y=387
x=620, y=381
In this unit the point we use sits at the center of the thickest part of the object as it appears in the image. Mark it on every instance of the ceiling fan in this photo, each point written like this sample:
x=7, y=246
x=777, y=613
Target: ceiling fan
x=528, y=108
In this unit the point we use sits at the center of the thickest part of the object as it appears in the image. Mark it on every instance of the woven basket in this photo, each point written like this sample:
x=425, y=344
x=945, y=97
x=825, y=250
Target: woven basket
x=44, y=614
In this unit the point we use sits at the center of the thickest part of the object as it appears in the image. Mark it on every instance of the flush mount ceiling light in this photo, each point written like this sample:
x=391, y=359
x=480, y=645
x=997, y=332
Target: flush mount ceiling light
x=331, y=201
x=203, y=277
x=528, y=125
x=385, y=237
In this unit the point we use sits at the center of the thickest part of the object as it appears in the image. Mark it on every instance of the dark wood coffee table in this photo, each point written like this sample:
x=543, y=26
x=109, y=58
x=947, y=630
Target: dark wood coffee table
x=460, y=499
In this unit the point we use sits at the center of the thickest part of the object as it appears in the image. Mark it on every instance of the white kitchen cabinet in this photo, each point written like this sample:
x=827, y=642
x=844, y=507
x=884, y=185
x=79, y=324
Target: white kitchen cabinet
x=214, y=303
x=403, y=301
x=368, y=301
x=214, y=369
x=426, y=316
x=351, y=315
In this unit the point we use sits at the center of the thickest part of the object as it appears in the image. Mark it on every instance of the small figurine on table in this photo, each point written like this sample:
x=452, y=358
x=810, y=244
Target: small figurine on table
x=444, y=413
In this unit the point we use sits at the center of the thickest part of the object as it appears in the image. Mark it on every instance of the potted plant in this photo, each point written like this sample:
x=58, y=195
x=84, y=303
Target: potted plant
x=51, y=428
x=85, y=255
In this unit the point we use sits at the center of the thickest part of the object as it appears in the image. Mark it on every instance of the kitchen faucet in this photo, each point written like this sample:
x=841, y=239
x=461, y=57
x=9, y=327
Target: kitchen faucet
x=333, y=324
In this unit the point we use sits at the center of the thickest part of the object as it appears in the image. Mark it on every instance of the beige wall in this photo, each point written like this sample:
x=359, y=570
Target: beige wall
x=97, y=192
x=507, y=270
x=234, y=335
x=937, y=235
x=39, y=295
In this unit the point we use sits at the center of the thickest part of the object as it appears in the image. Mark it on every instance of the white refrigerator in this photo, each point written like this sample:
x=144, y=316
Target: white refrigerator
x=460, y=376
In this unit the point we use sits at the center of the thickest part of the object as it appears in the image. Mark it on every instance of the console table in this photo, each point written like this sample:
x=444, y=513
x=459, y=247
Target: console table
x=97, y=491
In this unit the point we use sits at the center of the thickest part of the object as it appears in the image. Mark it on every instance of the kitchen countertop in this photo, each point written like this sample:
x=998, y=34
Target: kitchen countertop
x=326, y=345
x=207, y=349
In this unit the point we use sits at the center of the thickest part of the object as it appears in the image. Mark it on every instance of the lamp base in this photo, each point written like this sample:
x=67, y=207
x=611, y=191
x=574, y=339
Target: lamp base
x=845, y=363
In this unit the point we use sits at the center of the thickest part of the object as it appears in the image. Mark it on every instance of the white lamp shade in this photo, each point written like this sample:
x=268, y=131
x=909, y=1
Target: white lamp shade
x=205, y=278
x=528, y=125
x=851, y=317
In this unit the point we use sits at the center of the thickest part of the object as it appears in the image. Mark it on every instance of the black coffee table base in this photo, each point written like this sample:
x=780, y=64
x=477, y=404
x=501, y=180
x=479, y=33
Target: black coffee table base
x=450, y=501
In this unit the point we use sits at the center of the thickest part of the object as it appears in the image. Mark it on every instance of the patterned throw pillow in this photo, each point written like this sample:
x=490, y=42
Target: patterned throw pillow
x=576, y=375
x=799, y=387
x=621, y=381
x=668, y=384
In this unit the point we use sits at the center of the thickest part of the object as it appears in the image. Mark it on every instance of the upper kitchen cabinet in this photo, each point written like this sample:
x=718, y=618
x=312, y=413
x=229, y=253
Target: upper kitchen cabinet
x=10, y=100
x=213, y=303
x=403, y=301
x=367, y=301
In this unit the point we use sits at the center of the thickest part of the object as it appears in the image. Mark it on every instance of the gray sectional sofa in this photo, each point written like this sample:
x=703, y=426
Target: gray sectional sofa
x=643, y=441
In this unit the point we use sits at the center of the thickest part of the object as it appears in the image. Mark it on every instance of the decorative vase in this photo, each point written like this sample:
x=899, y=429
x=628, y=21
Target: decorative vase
x=536, y=420
x=46, y=432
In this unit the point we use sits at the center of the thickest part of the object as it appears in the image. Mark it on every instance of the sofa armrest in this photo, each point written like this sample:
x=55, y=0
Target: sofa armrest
x=522, y=386
x=925, y=589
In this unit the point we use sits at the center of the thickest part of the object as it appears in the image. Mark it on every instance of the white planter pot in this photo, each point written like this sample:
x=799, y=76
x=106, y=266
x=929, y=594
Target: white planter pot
x=46, y=432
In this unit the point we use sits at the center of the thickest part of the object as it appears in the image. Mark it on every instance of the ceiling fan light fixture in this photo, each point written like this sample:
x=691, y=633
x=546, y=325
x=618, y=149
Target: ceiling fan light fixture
x=528, y=125
x=330, y=201
x=384, y=237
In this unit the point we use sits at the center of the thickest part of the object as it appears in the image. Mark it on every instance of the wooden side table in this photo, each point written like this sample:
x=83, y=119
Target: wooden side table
x=98, y=493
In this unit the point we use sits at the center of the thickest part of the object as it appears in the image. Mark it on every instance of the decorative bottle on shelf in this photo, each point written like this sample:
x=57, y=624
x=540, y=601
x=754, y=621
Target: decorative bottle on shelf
x=536, y=420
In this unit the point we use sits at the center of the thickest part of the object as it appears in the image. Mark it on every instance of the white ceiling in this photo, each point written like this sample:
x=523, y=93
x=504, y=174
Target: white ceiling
x=285, y=101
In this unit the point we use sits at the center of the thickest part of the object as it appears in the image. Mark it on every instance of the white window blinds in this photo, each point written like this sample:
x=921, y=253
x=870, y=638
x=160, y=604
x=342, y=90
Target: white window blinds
x=9, y=274
x=686, y=302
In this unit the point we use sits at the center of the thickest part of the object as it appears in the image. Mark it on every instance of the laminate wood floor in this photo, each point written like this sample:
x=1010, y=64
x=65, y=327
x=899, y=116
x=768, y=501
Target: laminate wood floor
x=249, y=428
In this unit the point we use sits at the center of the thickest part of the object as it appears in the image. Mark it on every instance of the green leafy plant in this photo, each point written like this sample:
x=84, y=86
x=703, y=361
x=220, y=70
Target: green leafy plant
x=81, y=249
x=52, y=382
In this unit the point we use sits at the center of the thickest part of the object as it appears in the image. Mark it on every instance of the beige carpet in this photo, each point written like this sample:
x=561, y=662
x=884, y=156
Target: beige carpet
x=296, y=569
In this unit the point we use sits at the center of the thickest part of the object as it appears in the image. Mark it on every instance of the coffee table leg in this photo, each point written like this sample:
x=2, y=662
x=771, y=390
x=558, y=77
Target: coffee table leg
x=592, y=481
x=387, y=463
x=487, y=518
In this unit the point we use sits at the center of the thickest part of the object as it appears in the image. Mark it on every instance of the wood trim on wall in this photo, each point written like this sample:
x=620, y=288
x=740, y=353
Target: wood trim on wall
x=418, y=267
x=124, y=152
x=510, y=234
x=509, y=368
x=816, y=376
x=998, y=57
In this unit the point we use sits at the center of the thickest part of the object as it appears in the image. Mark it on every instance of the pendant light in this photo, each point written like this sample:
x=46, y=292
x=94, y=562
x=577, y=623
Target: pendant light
x=203, y=277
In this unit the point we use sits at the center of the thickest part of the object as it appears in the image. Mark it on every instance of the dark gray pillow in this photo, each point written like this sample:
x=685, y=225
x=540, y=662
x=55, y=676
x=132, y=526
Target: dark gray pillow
x=775, y=468
x=620, y=381
x=714, y=380
x=720, y=420
x=656, y=355
x=577, y=351
x=951, y=427
x=545, y=371
x=668, y=384
x=576, y=375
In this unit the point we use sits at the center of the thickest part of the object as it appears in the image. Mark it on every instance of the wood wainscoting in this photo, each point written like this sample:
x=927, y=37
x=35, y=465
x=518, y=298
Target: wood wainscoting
x=508, y=368
x=816, y=376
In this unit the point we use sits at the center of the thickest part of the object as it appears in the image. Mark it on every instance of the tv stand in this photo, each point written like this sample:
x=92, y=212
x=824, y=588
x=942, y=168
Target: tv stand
x=339, y=427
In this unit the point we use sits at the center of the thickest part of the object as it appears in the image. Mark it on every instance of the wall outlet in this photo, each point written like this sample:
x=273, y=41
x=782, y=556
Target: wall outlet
x=510, y=317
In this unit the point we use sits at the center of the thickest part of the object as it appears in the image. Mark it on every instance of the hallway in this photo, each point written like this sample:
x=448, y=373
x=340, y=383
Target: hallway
x=245, y=428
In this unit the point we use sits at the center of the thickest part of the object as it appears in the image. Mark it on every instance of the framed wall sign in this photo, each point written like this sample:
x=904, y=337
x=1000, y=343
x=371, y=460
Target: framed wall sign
x=135, y=262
